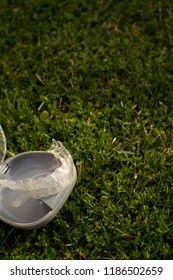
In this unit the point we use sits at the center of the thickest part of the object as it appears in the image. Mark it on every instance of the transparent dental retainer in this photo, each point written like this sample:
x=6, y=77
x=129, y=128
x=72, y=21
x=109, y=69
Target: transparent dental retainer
x=34, y=185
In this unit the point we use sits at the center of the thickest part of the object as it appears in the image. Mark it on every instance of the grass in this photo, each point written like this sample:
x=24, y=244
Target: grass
x=98, y=76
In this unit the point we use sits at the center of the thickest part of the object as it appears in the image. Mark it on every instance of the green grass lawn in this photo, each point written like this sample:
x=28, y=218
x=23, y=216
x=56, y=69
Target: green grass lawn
x=98, y=76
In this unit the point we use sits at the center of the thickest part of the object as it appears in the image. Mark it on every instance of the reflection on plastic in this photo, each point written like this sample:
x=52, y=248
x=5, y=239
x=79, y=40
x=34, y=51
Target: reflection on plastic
x=3, y=145
x=53, y=183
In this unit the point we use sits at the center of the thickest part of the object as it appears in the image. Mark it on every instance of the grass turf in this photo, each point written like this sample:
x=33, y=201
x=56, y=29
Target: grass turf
x=98, y=76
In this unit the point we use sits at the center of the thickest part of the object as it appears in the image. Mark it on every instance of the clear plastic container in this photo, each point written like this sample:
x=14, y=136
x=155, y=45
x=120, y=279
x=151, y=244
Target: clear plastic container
x=34, y=185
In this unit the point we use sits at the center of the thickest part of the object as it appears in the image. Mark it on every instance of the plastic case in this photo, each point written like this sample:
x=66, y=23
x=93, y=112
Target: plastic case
x=34, y=185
